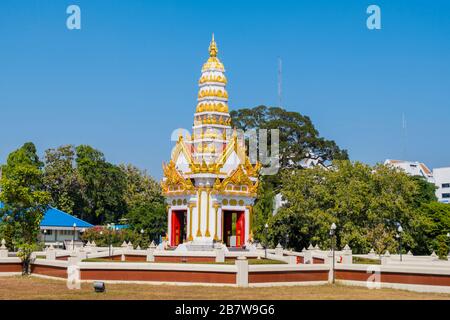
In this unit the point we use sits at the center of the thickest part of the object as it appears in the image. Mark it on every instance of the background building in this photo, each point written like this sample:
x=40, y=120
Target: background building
x=58, y=227
x=413, y=168
x=439, y=176
x=442, y=181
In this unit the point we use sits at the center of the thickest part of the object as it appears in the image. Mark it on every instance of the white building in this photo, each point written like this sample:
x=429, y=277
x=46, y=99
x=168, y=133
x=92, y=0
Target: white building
x=439, y=176
x=442, y=181
x=413, y=168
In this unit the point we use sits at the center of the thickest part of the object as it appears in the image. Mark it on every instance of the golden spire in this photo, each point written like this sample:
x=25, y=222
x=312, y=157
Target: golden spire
x=213, y=48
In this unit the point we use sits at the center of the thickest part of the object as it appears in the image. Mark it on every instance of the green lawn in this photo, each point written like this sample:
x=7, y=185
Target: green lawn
x=45, y=289
x=250, y=261
x=360, y=260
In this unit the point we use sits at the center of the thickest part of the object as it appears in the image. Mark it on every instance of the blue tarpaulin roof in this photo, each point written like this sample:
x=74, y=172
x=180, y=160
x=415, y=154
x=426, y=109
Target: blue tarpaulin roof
x=56, y=218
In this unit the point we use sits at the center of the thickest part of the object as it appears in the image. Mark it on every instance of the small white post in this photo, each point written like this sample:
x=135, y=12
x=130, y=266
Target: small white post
x=434, y=256
x=347, y=255
x=307, y=256
x=150, y=251
x=385, y=257
x=3, y=249
x=242, y=271
x=51, y=253
x=279, y=250
x=292, y=259
x=130, y=245
x=220, y=254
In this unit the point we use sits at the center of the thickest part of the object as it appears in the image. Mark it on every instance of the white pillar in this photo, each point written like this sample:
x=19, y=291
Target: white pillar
x=347, y=257
x=247, y=225
x=385, y=257
x=219, y=224
x=51, y=253
x=292, y=259
x=3, y=249
x=169, y=224
x=220, y=254
x=242, y=271
x=307, y=256
x=150, y=251
x=279, y=250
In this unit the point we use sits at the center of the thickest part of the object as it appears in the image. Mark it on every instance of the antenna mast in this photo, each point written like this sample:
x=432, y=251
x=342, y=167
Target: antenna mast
x=405, y=135
x=279, y=81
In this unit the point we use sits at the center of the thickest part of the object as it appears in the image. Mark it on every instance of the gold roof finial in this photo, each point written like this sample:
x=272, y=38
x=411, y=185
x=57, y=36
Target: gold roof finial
x=213, y=47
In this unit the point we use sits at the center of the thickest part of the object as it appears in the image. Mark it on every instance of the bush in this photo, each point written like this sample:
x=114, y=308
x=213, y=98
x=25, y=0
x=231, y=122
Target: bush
x=104, y=236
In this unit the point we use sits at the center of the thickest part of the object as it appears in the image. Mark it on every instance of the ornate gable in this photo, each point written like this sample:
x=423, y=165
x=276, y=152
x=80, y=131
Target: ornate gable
x=174, y=183
x=238, y=183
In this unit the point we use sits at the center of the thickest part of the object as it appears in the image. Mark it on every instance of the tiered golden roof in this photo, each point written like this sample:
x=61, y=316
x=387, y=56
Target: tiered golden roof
x=210, y=147
x=212, y=78
x=209, y=119
x=215, y=93
x=211, y=106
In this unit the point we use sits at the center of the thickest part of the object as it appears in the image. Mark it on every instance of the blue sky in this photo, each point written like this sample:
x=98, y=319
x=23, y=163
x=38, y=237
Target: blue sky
x=129, y=77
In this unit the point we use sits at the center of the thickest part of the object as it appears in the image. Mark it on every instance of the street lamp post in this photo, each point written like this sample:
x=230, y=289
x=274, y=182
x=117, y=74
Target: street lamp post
x=142, y=236
x=43, y=240
x=266, y=229
x=287, y=241
x=333, y=237
x=111, y=230
x=448, y=237
x=399, y=236
x=73, y=237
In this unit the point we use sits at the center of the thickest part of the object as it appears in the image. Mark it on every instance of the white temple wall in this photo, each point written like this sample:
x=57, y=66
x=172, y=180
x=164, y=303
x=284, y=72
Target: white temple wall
x=203, y=205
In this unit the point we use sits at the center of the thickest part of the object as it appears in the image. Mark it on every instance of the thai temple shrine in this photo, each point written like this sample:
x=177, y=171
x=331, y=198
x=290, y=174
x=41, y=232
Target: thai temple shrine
x=210, y=184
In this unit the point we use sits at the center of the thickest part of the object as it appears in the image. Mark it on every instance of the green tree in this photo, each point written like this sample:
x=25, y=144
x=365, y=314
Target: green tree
x=262, y=210
x=103, y=185
x=299, y=140
x=140, y=187
x=436, y=234
x=427, y=191
x=24, y=199
x=145, y=203
x=61, y=179
x=151, y=217
x=366, y=203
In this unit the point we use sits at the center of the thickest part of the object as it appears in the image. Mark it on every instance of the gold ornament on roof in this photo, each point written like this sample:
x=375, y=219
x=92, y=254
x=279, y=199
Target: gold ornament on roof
x=217, y=93
x=212, y=78
x=213, y=48
x=213, y=63
x=212, y=106
x=206, y=148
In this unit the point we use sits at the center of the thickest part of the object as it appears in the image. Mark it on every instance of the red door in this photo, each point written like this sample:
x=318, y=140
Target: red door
x=176, y=229
x=240, y=229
